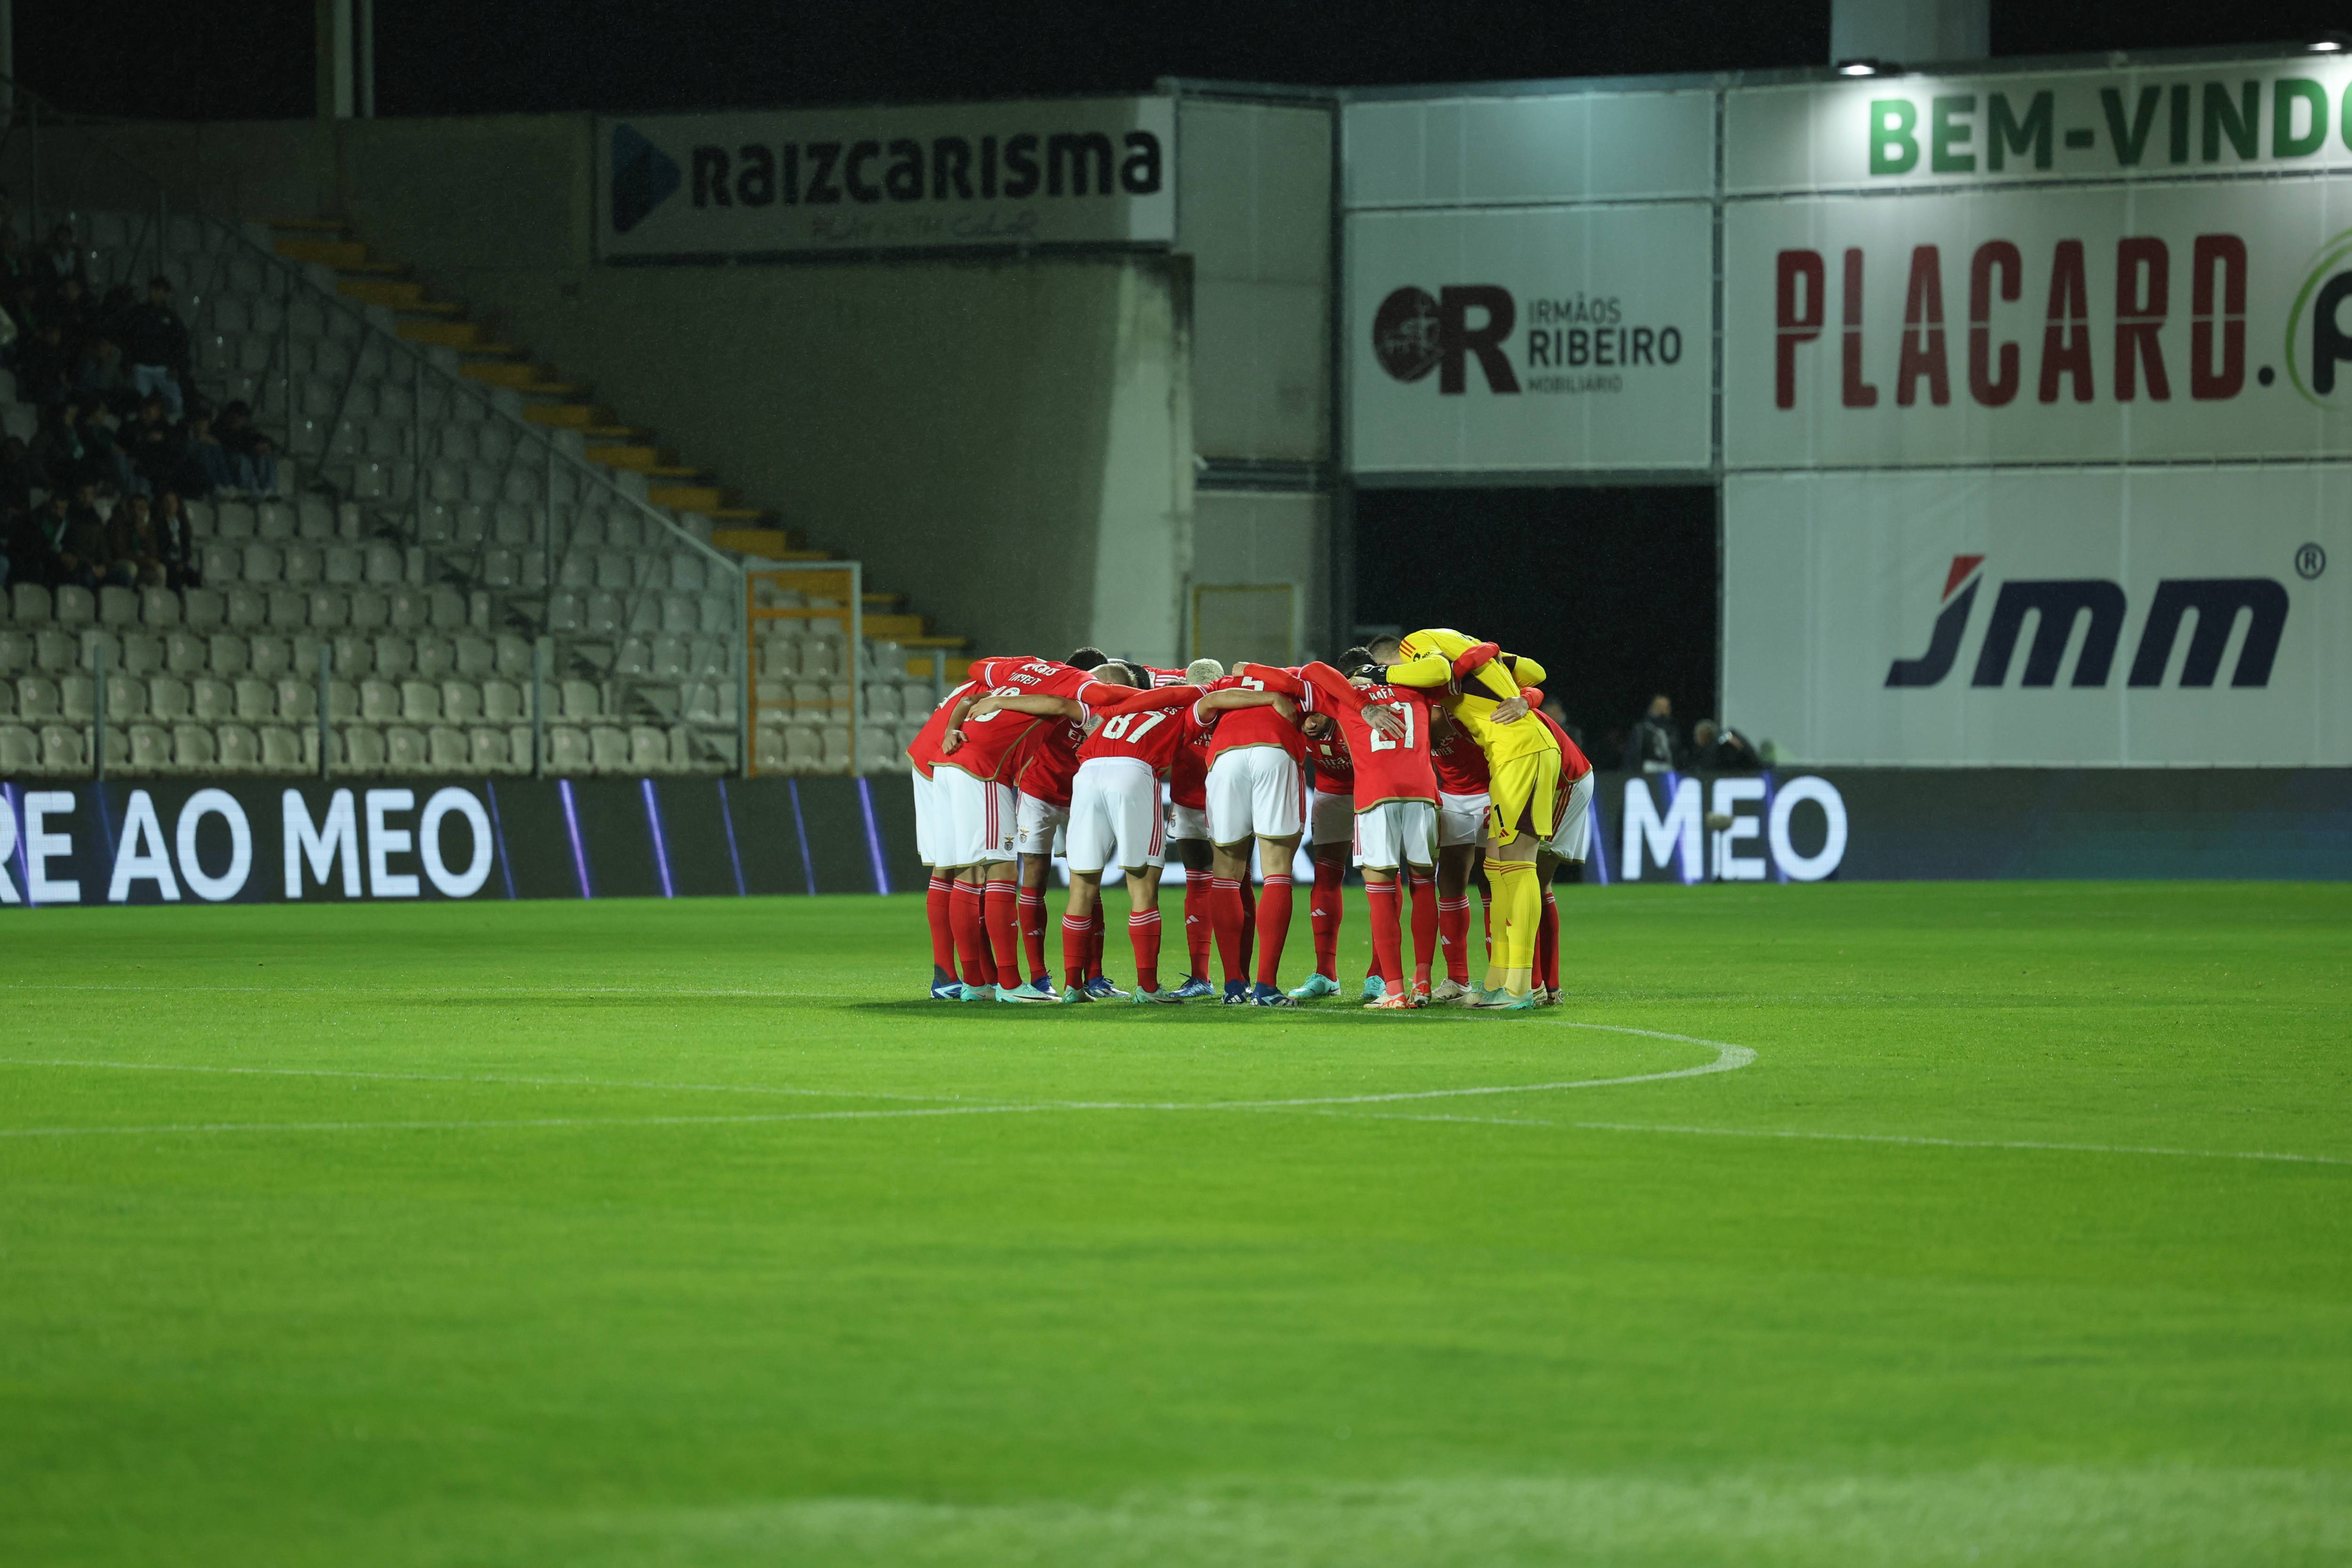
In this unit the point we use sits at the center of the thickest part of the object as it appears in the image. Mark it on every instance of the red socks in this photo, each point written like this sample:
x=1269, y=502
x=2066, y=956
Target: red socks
x=939, y=908
x=1003, y=929
x=1323, y=908
x=968, y=920
x=1388, y=937
x=1548, y=945
x=1095, y=944
x=1033, y=928
x=1198, y=928
x=1453, y=935
x=1227, y=916
x=1424, y=923
x=1143, y=931
x=1077, y=939
x=1273, y=925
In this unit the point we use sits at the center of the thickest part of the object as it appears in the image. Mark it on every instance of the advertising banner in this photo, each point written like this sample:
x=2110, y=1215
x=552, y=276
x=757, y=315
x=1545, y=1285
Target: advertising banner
x=1900, y=824
x=1510, y=340
x=2242, y=117
x=2098, y=323
x=1078, y=172
x=1546, y=148
x=1975, y=617
x=184, y=841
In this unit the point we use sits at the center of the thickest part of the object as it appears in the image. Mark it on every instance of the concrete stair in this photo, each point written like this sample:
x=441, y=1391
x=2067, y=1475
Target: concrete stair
x=557, y=403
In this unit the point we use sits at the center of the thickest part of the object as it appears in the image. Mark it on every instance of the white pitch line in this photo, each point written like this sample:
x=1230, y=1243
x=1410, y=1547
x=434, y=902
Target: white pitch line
x=1728, y=1058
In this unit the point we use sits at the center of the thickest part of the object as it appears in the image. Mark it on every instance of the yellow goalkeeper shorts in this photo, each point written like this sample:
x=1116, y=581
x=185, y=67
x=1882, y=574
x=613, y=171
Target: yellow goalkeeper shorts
x=1523, y=795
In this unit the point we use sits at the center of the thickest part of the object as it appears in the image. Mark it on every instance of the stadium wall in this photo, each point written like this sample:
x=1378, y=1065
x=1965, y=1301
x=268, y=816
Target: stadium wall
x=274, y=840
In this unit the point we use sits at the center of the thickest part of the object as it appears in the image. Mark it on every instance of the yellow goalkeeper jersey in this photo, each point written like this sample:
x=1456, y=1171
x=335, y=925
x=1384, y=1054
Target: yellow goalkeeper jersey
x=1427, y=662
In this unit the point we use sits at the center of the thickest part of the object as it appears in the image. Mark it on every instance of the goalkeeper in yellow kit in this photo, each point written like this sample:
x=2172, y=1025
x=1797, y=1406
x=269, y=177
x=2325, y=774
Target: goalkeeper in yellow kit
x=1482, y=686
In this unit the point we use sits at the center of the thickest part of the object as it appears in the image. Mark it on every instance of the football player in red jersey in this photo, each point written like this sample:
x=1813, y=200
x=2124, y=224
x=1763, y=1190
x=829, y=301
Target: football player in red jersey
x=1461, y=806
x=1048, y=769
x=1395, y=802
x=931, y=842
x=1330, y=837
x=1257, y=791
x=1188, y=829
x=1567, y=847
x=973, y=780
x=1107, y=820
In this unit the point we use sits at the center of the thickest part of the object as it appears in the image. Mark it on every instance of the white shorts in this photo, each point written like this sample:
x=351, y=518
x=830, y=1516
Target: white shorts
x=927, y=824
x=1187, y=821
x=1461, y=818
x=1573, y=841
x=1037, y=822
x=1331, y=818
x=1398, y=833
x=976, y=818
x=1256, y=791
x=1114, y=817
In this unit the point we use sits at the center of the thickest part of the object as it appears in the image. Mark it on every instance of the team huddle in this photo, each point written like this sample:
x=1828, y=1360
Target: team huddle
x=1417, y=758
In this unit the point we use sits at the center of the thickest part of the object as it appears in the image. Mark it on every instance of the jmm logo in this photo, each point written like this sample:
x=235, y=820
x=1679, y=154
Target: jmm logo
x=2058, y=604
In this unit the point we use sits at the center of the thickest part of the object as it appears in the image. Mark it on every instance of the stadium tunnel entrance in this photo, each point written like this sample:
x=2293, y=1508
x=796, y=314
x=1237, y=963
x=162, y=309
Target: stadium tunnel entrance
x=1630, y=605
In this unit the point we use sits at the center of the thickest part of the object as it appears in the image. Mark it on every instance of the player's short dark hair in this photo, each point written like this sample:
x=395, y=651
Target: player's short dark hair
x=1089, y=657
x=1388, y=640
x=1356, y=660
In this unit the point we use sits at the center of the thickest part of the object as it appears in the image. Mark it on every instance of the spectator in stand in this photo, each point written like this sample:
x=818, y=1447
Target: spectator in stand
x=69, y=306
x=204, y=463
x=16, y=478
x=60, y=261
x=35, y=559
x=175, y=542
x=153, y=446
x=57, y=454
x=102, y=443
x=85, y=554
x=44, y=365
x=253, y=458
x=135, y=540
x=98, y=373
x=155, y=343
x=1652, y=746
x=1720, y=748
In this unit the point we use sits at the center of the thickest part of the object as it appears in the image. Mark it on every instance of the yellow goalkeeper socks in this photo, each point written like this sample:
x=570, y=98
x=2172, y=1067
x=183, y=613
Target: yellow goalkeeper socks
x=1518, y=907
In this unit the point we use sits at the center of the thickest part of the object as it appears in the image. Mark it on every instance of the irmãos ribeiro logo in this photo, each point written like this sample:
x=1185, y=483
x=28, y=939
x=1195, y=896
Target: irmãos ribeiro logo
x=2316, y=339
x=1574, y=343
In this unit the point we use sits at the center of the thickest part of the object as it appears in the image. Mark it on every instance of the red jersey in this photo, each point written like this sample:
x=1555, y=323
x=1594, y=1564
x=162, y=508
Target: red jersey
x=1188, y=775
x=1262, y=725
x=1388, y=767
x=1334, y=769
x=923, y=751
x=1573, y=764
x=992, y=746
x=1155, y=738
x=1460, y=761
x=1048, y=764
x=1162, y=676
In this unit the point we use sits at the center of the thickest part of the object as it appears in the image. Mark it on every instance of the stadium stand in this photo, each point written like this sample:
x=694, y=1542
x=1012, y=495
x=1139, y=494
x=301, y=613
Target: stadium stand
x=456, y=534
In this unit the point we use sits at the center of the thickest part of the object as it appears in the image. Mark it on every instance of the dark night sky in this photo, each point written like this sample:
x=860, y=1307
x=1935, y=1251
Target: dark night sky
x=212, y=60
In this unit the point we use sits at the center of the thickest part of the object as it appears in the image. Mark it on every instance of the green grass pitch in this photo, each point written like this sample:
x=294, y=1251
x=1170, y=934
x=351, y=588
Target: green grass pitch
x=689, y=1233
